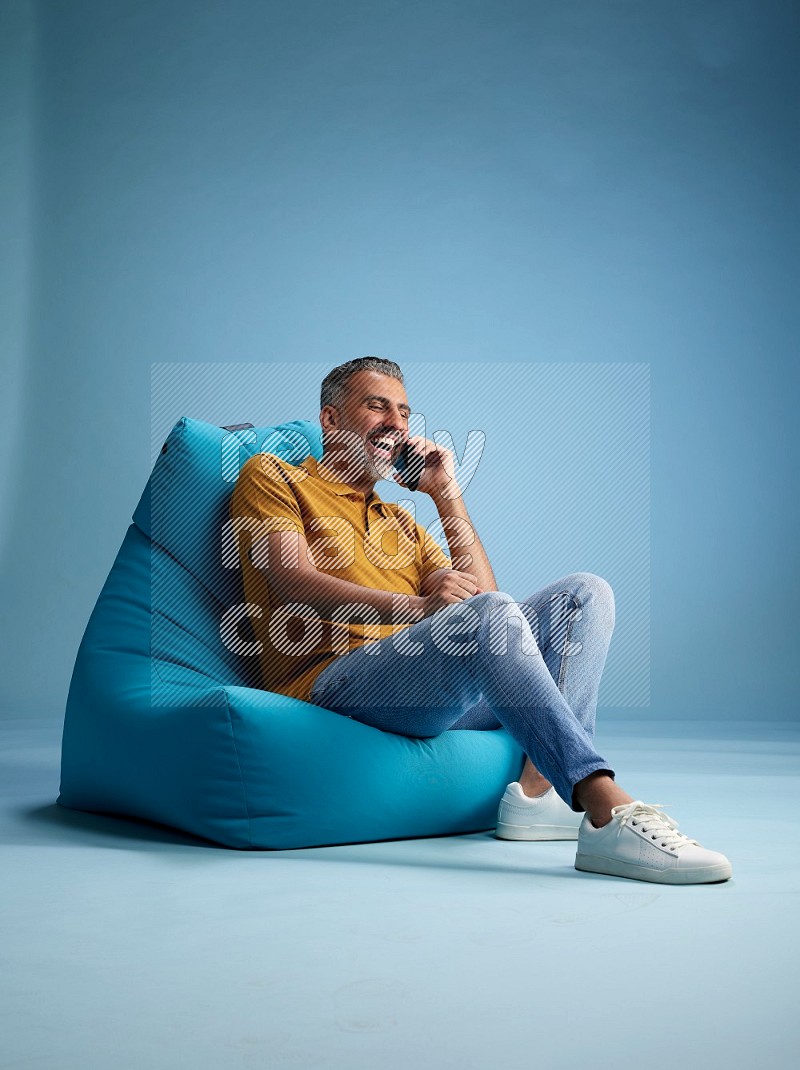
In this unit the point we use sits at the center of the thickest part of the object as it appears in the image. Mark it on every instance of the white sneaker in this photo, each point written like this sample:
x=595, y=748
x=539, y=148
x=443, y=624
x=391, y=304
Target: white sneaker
x=642, y=842
x=544, y=818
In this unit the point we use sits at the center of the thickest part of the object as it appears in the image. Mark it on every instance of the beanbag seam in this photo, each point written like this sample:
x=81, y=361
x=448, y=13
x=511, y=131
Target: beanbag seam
x=241, y=773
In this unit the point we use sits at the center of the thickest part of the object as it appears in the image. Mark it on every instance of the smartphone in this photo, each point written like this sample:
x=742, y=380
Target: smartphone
x=410, y=465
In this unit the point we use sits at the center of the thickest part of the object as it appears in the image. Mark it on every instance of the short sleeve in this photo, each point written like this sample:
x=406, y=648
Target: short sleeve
x=263, y=494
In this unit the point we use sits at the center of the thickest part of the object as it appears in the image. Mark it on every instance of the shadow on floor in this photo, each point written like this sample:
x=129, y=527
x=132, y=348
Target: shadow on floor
x=56, y=826
x=61, y=825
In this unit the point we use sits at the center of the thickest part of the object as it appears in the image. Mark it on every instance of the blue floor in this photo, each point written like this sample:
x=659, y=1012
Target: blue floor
x=128, y=946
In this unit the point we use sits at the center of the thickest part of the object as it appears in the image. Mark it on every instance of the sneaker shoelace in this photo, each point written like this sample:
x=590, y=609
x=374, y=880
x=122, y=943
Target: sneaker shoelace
x=653, y=821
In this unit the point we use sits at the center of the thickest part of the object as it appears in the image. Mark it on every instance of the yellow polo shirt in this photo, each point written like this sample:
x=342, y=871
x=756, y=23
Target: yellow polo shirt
x=376, y=544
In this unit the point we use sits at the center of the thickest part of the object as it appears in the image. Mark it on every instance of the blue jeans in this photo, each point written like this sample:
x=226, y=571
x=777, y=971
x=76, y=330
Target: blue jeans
x=533, y=667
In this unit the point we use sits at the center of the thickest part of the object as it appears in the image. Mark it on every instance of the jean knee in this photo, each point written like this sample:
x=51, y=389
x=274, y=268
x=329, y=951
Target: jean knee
x=500, y=615
x=591, y=588
x=492, y=605
x=489, y=600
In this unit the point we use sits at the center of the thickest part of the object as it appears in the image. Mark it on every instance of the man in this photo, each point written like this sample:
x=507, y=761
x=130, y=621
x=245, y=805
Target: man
x=405, y=640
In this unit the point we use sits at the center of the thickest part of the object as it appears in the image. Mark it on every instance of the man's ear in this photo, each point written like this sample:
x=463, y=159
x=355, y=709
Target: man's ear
x=328, y=417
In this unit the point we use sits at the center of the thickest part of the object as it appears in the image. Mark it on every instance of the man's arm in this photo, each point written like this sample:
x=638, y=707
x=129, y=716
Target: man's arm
x=466, y=549
x=293, y=577
x=439, y=481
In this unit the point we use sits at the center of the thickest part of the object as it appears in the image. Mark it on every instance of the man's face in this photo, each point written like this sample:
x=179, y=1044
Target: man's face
x=375, y=408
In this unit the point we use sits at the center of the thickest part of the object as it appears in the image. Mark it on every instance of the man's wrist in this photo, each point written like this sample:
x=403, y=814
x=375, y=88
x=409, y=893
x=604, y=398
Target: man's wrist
x=445, y=495
x=408, y=608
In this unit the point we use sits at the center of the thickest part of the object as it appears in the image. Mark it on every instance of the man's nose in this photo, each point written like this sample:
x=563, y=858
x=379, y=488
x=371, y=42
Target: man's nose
x=394, y=421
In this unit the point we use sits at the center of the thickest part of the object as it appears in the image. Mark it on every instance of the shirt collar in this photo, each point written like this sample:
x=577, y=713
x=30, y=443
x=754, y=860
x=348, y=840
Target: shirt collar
x=344, y=490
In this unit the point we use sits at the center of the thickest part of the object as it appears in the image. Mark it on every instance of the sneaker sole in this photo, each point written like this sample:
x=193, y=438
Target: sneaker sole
x=505, y=831
x=614, y=867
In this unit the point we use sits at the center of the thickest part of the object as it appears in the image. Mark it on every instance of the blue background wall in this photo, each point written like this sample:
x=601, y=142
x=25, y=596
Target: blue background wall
x=560, y=182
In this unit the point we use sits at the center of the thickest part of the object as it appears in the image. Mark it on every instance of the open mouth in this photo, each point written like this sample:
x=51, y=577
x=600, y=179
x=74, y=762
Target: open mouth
x=384, y=447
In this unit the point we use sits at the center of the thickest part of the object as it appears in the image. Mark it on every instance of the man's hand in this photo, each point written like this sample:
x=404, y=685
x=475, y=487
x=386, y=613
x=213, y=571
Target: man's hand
x=445, y=587
x=439, y=476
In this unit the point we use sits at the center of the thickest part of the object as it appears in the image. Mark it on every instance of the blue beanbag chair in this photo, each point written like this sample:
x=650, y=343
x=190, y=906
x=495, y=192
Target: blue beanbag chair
x=164, y=722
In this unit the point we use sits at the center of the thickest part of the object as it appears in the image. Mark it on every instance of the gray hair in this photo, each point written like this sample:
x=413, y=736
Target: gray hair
x=334, y=385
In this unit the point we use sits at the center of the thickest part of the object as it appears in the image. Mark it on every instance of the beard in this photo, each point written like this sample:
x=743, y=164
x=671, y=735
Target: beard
x=380, y=467
x=355, y=454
